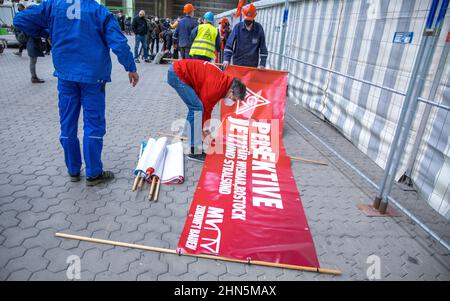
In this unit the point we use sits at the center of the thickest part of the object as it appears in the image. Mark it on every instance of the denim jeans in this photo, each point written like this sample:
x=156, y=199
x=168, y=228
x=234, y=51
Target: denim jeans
x=195, y=107
x=140, y=40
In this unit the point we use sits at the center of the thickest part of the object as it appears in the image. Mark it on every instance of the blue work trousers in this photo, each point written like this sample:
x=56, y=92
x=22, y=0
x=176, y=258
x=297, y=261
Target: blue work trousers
x=73, y=96
x=143, y=41
x=195, y=108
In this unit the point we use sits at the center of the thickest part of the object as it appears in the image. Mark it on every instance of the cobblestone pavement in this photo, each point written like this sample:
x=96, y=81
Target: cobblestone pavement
x=37, y=200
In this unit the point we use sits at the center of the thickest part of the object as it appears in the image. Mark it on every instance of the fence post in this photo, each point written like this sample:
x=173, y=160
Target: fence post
x=283, y=33
x=423, y=44
x=415, y=86
x=406, y=178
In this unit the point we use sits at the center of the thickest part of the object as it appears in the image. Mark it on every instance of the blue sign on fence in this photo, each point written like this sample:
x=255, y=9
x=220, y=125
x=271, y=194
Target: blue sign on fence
x=403, y=37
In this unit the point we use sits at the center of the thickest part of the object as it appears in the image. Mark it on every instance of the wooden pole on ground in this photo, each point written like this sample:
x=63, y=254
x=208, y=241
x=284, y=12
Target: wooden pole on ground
x=136, y=179
x=308, y=161
x=156, y=194
x=170, y=251
x=152, y=188
x=292, y=157
x=183, y=138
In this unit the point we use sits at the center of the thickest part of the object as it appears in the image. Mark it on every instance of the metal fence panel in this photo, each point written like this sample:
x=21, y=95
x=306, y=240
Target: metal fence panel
x=356, y=38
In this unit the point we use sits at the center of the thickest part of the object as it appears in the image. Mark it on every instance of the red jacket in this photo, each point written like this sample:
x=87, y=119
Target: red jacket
x=209, y=82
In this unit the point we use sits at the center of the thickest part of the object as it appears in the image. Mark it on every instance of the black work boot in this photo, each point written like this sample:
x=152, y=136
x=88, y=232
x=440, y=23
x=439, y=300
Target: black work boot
x=37, y=80
x=105, y=176
x=75, y=178
x=196, y=155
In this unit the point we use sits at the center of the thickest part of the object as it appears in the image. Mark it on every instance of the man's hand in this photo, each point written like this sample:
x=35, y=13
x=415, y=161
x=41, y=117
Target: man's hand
x=206, y=133
x=226, y=64
x=261, y=67
x=134, y=78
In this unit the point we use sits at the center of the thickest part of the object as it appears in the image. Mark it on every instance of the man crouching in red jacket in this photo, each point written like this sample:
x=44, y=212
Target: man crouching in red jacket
x=201, y=85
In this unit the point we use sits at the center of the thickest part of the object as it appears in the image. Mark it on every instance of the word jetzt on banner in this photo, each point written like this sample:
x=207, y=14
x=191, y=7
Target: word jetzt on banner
x=246, y=205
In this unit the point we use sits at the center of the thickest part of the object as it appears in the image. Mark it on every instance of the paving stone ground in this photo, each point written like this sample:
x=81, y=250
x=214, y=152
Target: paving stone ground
x=37, y=200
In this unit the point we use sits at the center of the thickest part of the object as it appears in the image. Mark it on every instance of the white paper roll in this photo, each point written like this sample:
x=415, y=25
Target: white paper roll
x=144, y=158
x=173, y=172
x=156, y=155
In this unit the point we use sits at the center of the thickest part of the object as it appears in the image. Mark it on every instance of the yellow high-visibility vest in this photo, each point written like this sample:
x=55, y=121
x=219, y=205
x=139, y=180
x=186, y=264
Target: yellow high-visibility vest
x=205, y=41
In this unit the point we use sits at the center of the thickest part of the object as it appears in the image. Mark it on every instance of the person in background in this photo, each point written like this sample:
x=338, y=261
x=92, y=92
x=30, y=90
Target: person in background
x=35, y=49
x=174, y=26
x=157, y=29
x=201, y=85
x=128, y=26
x=121, y=20
x=82, y=61
x=224, y=34
x=246, y=43
x=20, y=36
x=205, y=39
x=140, y=29
x=182, y=34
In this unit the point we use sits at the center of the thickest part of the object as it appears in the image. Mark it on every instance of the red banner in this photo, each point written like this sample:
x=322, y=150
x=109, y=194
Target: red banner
x=247, y=205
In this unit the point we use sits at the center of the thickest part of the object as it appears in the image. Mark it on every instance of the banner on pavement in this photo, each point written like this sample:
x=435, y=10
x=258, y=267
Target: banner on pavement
x=247, y=205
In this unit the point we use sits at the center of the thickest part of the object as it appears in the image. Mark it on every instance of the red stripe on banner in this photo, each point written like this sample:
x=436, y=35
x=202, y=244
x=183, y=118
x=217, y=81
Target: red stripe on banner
x=448, y=37
x=247, y=205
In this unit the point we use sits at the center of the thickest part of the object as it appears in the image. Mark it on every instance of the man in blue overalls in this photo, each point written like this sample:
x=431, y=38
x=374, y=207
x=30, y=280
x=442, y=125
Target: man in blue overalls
x=82, y=34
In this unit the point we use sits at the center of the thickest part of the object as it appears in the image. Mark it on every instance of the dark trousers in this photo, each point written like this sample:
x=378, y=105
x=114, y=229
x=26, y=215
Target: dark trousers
x=184, y=51
x=155, y=41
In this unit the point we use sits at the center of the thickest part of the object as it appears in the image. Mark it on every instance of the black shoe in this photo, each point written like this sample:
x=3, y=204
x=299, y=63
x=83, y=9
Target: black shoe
x=137, y=61
x=105, y=176
x=36, y=80
x=197, y=157
x=148, y=61
x=75, y=178
x=18, y=53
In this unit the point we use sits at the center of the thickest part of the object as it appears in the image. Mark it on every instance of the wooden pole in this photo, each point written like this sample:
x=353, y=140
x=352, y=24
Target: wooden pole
x=152, y=188
x=308, y=161
x=156, y=194
x=291, y=157
x=137, y=178
x=213, y=257
x=141, y=182
x=172, y=135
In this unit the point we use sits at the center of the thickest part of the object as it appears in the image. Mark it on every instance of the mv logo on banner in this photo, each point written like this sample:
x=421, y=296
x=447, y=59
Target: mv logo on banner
x=251, y=101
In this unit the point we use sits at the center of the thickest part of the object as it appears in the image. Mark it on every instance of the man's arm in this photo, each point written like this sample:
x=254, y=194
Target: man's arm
x=119, y=45
x=193, y=35
x=263, y=53
x=34, y=20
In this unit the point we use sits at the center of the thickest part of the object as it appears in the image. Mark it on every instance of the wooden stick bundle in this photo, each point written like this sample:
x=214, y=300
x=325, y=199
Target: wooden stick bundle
x=170, y=251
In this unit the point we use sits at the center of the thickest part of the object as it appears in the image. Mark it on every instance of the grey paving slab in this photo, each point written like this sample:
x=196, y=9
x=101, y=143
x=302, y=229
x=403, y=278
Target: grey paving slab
x=37, y=200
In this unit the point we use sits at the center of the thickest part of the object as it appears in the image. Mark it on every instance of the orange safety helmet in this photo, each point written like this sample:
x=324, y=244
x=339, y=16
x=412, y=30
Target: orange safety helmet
x=249, y=12
x=188, y=8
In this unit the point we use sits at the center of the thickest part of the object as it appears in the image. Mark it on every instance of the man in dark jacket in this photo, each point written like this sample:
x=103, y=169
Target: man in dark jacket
x=182, y=34
x=157, y=29
x=140, y=29
x=247, y=42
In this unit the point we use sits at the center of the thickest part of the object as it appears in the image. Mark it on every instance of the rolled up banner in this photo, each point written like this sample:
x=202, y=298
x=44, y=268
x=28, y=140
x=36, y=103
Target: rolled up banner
x=142, y=166
x=159, y=168
x=156, y=155
x=174, y=165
